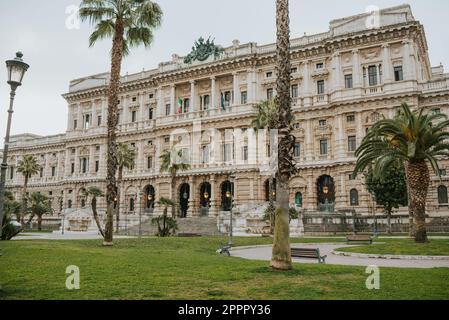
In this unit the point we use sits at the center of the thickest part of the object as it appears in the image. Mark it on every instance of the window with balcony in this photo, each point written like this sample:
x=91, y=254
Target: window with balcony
x=297, y=150
x=352, y=143
x=442, y=195
x=320, y=86
x=86, y=122
x=245, y=153
x=83, y=165
x=373, y=77
x=41, y=172
x=75, y=124
x=270, y=94
x=167, y=109
x=323, y=147
x=226, y=98
x=228, y=152
x=133, y=116
x=348, y=81
x=72, y=168
x=150, y=114
x=354, y=197
x=295, y=92
x=11, y=172
x=206, y=102
x=205, y=154
x=97, y=166
x=398, y=73
x=244, y=97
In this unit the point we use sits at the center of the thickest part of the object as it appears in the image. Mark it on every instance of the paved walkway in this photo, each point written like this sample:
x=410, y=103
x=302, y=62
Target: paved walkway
x=66, y=236
x=264, y=253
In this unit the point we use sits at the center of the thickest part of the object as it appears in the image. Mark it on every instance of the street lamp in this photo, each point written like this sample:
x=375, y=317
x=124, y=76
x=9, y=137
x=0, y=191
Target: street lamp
x=140, y=212
x=230, y=194
x=16, y=71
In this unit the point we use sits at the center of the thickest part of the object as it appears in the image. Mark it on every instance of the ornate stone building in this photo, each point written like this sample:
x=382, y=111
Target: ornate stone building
x=343, y=81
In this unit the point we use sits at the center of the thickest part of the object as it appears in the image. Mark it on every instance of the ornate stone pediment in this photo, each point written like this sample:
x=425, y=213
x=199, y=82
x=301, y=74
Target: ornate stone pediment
x=320, y=74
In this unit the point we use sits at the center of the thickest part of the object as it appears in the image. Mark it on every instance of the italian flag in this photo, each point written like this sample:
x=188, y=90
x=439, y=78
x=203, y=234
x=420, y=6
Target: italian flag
x=179, y=105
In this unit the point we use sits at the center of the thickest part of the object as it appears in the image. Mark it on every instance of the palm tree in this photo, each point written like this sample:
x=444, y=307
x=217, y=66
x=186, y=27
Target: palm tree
x=28, y=166
x=125, y=159
x=39, y=205
x=129, y=23
x=169, y=225
x=281, y=257
x=9, y=227
x=415, y=139
x=171, y=162
x=95, y=193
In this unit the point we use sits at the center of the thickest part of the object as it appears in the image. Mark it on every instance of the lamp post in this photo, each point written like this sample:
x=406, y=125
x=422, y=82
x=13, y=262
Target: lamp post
x=16, y=71
x=231, y=196
x=140, y=212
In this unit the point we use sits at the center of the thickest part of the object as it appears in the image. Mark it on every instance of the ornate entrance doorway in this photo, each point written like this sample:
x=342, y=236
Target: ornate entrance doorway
x=205, y=194
x=184, y=195
x=326, y=194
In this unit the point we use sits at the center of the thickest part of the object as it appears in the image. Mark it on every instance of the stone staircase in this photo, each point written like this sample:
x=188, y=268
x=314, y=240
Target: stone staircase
x=206, y=226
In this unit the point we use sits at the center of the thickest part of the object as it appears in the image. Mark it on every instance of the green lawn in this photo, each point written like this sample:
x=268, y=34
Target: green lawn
x=436, y=247
x=189, y=268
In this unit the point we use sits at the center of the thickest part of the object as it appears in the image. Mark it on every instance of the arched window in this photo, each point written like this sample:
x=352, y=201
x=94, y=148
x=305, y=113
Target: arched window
x=131, y=204
x=354, y=197
x=442, y=195
x=298, y=199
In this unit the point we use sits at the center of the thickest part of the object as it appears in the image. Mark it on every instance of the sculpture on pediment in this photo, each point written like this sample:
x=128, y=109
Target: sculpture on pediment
x=202, y=50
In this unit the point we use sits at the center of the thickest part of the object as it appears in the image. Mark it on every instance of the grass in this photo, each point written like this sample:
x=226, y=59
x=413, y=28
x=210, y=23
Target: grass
x=436, y=247
x=189, y=268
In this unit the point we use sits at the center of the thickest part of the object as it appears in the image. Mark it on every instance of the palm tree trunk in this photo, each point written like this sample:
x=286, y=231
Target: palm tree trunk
x=111, y=192
x=24, y=200
x=119, y=185
x=271, y=205
x=281, y=256
x=418, y=180
x=96, y=218
x=389, y=221
x=173, y=195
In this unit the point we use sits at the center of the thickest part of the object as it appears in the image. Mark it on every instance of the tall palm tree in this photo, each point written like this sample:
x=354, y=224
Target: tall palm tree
x=39, y=205
x=171, y=162
x=416, y=139
x=125, y=159
x=281, y=257
x=94, y=193
x=129, y=23
x=28, y=167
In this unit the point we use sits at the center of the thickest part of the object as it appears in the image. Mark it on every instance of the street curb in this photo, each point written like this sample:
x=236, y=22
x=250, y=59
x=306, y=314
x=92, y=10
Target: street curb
x=388, y=257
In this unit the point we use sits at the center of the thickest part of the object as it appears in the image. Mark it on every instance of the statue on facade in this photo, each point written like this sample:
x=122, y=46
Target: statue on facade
x=202, y=50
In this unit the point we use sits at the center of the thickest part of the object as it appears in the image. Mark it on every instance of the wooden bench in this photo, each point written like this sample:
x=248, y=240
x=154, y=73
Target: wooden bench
x=359, y=239
x=308, y=254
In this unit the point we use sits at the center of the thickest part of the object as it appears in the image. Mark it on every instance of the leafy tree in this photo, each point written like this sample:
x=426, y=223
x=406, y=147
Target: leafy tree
x=39, y=205
x=166, y=226
x=416, y=139
x=28, y=167
x=126, y=156
x=11, y=228
x=129, y=23
x=94, y=193
x=389, y=189
x=172, y=162
x=281, y=257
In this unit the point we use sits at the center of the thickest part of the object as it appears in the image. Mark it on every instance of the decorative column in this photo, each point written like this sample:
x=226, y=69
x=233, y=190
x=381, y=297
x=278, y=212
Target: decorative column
x=306, y=81
x=92, y=159
x=192, y=96
x=408, y=63
x=94, y=121
x=342, y=193
x=142, y=107
x=192, y=199
x=360, y=133
x=337, y=71
x=213, y=96
x=236, y=83
x=309, y=141
x=310, y=191
x=356, y=69
x=160, y=108
x=104, y=112
x=250, y=79
x=213, y=200
x=386, y=62
x=173, y=99
x=79, y=117
x=341, y=138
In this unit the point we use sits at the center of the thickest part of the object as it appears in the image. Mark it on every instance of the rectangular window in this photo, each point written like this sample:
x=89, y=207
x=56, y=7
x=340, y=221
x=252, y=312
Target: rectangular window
x=75, y=124
x=227, y=152
x=320, y=65
x=294, y=70
x=294, y=91
x=97, y=166
x=436, y=111
x=133, y=116
x=167, y=109
x=269, y=74
x=205, y=154
x=72, y=168
x=206, y=102
x=227, y=97
x=398, y=73
x=99, y=121
x=320, y=86
x=244, y=97
x=372, y=75
x=323, y=147
x=352, y=144
x=150, y=162
x=134, y=99
x=322, y=123
x=245, y=153
x=11, y=172
x=150, y=113
x=352, y=177
x=53, y=171
x=83, y=165
x=270, y=94
x=86, y=121
x=348, y=81
x=41, y=172
x=350, y=118
x=297, y=150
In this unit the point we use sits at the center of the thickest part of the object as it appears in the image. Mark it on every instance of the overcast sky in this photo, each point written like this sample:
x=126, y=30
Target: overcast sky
x=58, y=54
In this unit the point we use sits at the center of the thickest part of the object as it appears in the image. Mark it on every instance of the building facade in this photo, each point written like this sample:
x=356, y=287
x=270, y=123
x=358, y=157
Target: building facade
x=343, y=81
